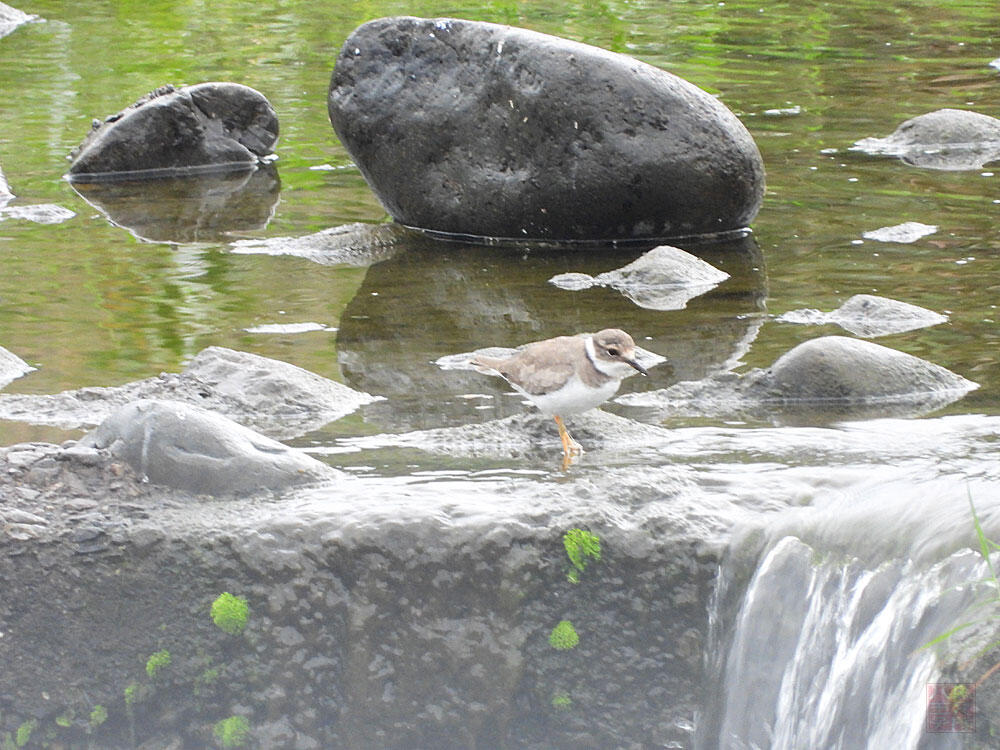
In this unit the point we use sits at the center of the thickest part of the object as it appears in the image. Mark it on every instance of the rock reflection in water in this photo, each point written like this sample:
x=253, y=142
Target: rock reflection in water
x=204, y=208
x=435, y=298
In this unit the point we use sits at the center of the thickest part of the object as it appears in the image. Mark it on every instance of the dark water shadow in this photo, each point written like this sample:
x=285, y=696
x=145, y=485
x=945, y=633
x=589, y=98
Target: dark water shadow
x=203, y=208
x=435, y=298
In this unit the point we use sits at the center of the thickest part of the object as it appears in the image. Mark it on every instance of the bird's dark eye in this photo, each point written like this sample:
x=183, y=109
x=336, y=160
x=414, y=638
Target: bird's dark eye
x=613, y=352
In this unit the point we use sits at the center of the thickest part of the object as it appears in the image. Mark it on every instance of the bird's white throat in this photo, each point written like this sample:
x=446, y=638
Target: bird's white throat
x=612, y=369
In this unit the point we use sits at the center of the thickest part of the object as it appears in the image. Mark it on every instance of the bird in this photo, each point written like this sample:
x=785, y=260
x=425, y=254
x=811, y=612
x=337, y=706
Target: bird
x=568, y=375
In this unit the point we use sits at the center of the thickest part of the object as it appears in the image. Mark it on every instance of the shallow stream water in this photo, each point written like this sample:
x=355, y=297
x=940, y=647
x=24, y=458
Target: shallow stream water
x=113, y=295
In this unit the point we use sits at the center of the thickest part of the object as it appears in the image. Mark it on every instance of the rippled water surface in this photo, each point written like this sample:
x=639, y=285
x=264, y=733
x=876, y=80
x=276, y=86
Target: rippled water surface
x=89, y=303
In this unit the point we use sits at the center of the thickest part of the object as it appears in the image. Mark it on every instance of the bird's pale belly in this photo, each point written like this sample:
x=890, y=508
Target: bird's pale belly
x=574, y=397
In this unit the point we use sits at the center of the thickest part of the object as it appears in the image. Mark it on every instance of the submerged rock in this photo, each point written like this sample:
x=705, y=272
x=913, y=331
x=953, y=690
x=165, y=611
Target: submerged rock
x=479, y=129
x=530, y=434
x=40, y=213
x=663, y=278
x=208, y=127
x=948, y=139
x=827, y=378
x=12, y=367
x=267, y=395
x=905, y=233
x=194, y=450
x=355, y=244
x=869, y=316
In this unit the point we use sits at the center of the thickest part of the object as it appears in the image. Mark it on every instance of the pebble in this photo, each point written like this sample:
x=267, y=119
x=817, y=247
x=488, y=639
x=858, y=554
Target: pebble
x=22, y=532
x=17, y=516
x=82, y=454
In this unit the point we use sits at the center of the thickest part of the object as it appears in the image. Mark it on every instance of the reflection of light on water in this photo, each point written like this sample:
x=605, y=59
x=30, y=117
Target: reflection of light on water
x=289, y=328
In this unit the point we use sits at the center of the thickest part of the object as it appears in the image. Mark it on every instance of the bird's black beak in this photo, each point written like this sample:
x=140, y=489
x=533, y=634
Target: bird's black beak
x=636, y=366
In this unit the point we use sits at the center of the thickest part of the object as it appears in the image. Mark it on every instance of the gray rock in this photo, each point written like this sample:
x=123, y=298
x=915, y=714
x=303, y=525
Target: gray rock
x=664, y=278
x=40, y=213
x=208, y=127
x=350, y=244
x=905, y=233
x=528, y=434
x=11, y=18
x=194, y=450
x=267, y=395
x=12, y=367
x=824, y=379
x=844, y=369
x=472, y=128
x=948, y=139
x=869, y=316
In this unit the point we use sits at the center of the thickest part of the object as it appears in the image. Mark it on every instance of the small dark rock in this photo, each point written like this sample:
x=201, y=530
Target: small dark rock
x=204, y=128
x=472, y=128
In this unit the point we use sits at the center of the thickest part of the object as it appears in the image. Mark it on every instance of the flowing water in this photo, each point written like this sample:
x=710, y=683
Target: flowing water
x=850, y=541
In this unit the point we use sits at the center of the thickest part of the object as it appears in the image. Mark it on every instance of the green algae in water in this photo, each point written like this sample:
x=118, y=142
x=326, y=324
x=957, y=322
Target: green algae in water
x=230, y=613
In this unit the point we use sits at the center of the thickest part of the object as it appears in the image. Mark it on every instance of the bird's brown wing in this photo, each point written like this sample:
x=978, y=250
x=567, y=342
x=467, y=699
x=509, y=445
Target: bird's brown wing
x=542, y=363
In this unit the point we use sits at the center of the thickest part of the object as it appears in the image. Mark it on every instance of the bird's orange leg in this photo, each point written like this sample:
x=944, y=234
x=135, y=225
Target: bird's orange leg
x=570, y=446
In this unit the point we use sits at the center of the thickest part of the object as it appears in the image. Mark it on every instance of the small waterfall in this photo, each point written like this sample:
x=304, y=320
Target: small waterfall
x=820, y=648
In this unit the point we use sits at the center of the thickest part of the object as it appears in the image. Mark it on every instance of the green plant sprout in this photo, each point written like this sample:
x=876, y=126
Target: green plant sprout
x=563, y=636
x=230, y=613
x=581, y=546
x=232, y=732
x=156, y=662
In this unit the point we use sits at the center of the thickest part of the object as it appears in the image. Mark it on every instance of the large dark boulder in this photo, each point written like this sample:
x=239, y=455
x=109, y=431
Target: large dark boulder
x=169, y=132
x=481, y=129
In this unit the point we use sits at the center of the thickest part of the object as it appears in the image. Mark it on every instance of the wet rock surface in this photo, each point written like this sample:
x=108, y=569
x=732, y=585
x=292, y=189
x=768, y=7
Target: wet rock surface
x=948, y=139
x=194, y=450
x=663, y=278
x=831, y=377
x=378, y=618
x=11, y=367
x=272, y=397
x=905, y=233
x=869, y=315
x=214, y=126
x=480, y=129
x=40, y=213
x=11, y=18
x=350, y=244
